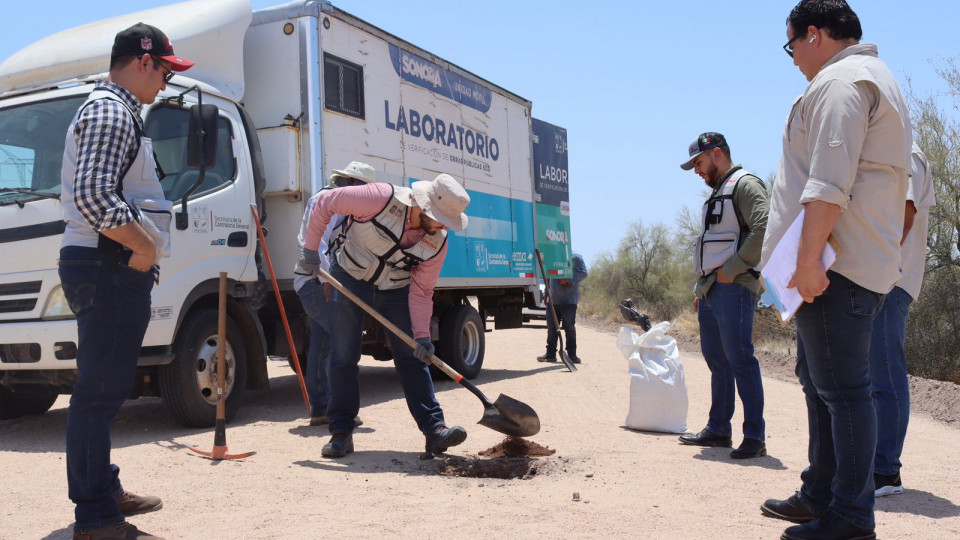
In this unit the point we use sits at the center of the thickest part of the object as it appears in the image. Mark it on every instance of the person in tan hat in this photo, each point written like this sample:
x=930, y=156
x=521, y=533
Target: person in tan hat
x=314, y=293
x=389, y=253
x=111, y=245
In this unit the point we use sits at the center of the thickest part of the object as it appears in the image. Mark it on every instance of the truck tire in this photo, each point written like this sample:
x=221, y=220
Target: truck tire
x=189, y=383
x=26, y=402
x=462, y=340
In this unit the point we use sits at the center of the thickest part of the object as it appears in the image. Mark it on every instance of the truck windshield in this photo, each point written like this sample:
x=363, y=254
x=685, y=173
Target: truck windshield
x=31, y=148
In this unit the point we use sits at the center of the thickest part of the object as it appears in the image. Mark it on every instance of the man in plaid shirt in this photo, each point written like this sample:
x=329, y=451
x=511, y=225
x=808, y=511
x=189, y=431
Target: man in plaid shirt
x=108, y=266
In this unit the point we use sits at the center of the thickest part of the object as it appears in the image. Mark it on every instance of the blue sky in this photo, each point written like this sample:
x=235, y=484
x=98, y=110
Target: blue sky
x=633, y=81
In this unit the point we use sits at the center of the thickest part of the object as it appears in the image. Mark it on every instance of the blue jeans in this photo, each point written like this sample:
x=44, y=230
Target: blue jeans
x=112, y=305
x=317, y=308
x=726, y=341
x=833, y=347
x=567, y=315
x=888, y=375
x=344, y=371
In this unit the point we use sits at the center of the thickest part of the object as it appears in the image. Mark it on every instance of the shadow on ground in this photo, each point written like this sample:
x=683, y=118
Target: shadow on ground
x=920, y=503
x=723, y=455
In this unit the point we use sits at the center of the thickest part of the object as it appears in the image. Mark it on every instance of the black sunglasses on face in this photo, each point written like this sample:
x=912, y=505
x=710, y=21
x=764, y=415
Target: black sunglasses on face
x=168, y=72
x=788, y=46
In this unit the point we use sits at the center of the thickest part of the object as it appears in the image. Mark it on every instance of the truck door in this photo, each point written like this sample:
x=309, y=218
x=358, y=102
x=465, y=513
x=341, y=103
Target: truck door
x=218, y=236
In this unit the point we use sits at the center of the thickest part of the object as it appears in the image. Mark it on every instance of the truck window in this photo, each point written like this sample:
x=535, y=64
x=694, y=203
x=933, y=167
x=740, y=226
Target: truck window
x=342, y=86
x=31, y=145
x=16, y=166
x=167, y=128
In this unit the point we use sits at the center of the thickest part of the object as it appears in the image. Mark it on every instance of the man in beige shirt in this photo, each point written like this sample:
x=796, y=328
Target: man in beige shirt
x=846, y=156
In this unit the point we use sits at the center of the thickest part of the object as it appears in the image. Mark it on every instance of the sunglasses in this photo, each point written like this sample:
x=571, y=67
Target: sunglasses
x=788, y=46
x=168, y=72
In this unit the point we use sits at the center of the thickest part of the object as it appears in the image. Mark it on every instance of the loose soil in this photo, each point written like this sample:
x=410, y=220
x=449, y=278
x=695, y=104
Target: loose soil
x=512, y=447
x=511, y=458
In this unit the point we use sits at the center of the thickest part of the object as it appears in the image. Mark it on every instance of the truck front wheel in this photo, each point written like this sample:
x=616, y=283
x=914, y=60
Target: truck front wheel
x=189, y=383
x=462, y=340
x=14, y=404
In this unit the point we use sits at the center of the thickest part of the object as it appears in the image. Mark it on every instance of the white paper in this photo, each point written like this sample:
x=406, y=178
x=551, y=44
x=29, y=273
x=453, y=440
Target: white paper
x=781, y=266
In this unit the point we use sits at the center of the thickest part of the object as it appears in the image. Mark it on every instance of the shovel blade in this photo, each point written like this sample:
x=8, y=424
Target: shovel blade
x=511, y=417
x=566, y=360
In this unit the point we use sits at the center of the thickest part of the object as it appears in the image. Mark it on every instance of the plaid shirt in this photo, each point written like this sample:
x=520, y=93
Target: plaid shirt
x=106, y=145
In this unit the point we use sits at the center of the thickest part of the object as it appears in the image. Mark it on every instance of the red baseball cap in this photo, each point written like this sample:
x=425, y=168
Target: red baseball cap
x=145, y=39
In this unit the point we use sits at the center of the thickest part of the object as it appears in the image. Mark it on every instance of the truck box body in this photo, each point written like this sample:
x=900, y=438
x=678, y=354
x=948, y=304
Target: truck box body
x=314, y=89
x=413, y=117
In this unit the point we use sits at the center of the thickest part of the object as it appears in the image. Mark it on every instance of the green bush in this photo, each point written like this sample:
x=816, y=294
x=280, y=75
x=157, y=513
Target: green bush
x=933, y=327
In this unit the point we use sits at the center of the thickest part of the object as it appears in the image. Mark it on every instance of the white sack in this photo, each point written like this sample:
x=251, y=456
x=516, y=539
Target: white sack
x=658, y=388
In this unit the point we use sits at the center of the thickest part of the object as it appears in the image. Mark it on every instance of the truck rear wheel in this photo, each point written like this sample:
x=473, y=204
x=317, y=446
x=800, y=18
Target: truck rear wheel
x=189, y=383
x=462, y=340
x=25, y=402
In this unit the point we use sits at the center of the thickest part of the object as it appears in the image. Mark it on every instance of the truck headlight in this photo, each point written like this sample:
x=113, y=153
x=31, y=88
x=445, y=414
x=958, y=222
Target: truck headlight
x=57, y=306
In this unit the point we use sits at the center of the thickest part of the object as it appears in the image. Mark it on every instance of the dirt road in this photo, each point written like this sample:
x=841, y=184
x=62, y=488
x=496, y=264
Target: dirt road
x=604, y=481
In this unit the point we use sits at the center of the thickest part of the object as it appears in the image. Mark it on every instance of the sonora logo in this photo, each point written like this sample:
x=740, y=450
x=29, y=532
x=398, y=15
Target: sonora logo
x=421, y=70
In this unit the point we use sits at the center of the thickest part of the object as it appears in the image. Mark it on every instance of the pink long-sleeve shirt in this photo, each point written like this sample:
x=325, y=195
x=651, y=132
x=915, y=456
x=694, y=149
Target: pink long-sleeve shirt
x=363, y=203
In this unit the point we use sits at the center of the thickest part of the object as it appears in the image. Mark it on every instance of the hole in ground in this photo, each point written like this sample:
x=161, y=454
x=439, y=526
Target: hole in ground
x=510, y=459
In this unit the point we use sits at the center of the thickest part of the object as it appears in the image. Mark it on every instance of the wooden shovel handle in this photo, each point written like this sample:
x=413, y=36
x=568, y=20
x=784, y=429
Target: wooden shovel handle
x=441, y=365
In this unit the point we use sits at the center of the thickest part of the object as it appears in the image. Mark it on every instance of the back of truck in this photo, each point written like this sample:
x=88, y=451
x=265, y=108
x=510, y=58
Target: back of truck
x=367, y=95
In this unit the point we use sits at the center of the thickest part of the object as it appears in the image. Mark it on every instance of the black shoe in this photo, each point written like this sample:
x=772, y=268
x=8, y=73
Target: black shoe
x=547, y=358
x=575, y=359
x=340, y=445
x=791, y=509
x=707, y=438
x=749, y=448
x=829, y=527
x=887, y=484
x=444, y=437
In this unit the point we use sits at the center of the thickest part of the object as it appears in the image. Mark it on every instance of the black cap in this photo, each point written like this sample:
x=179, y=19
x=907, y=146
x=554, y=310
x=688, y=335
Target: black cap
x=704, y=142
x=142, y=39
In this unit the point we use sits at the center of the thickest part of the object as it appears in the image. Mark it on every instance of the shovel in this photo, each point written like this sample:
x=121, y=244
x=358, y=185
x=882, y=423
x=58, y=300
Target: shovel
x=505, y=415
x=553, y=314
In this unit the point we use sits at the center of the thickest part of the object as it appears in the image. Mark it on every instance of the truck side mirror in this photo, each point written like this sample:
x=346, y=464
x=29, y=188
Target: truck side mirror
x=202, y=136
x=201, y=150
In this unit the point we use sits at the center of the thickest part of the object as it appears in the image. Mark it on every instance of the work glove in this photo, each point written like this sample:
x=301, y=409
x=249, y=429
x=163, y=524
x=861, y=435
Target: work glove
x=308, y=263
x=424, y=350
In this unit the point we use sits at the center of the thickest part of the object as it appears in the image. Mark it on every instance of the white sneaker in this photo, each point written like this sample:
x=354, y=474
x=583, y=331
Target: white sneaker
x=887, y=484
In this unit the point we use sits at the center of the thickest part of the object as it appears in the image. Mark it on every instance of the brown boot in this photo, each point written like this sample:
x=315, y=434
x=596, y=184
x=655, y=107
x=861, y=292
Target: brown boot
x=132, y=504
x=114, y=531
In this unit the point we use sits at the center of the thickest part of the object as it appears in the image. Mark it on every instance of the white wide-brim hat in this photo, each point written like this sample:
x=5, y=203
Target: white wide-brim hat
x=443, y=200
x=356, y=169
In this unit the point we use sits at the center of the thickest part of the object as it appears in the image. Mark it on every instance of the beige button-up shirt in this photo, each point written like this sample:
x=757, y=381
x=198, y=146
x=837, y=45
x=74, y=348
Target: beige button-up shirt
x=847, y=142
x=921, y=192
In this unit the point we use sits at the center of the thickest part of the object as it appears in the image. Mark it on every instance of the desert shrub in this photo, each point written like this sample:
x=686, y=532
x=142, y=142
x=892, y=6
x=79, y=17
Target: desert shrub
x=933, y=327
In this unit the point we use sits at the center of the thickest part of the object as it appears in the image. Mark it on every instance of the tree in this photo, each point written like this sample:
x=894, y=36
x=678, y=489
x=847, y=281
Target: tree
x=933, y=328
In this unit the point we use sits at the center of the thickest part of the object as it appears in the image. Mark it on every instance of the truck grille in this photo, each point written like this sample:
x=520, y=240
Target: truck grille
x=14, y=305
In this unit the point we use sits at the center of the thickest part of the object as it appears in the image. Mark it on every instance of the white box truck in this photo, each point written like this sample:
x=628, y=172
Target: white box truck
x=300, y=89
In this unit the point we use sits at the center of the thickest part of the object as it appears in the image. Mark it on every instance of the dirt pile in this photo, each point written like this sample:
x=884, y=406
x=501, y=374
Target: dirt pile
x=513, y=447
x=512, y=458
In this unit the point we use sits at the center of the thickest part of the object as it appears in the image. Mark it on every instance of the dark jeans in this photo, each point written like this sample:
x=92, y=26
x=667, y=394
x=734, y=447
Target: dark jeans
x=567, y=314
x=344, y=371
x=112, y=305
x=726, y=341
x=317, y=308
x=833, y=347
x=888, y=375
